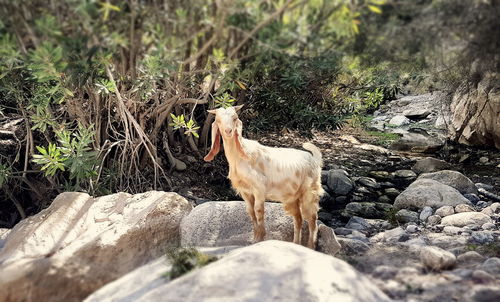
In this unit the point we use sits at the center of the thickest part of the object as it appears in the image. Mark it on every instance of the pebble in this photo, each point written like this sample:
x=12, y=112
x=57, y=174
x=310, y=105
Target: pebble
x=482, y=237
x=434, y=219
x=482, y=276
x=461, y=208
x=426, y=212
x=488, y=226
x=411, y=228
x=445, y=211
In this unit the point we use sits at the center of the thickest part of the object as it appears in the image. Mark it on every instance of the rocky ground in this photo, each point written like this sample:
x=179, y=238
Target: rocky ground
x=412, y=226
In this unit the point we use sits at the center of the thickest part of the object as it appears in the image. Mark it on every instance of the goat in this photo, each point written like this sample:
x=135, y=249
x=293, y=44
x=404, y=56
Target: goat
x=260, y=173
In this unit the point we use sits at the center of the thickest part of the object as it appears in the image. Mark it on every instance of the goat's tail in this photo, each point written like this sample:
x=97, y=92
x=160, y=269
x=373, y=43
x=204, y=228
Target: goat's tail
x=316, y=153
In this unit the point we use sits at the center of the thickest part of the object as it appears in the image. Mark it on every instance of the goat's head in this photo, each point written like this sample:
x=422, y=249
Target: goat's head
x=229, y=126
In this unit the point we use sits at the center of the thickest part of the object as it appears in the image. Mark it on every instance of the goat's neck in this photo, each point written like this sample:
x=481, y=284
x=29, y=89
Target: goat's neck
x=231, y=152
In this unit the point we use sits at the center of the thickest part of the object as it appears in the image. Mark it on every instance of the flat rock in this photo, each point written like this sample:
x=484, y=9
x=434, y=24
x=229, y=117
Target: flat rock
x=226, y=223
x=466, y=219
x=429, y=165
x=453, y=179
x=416, y=114
x=267, y=271
x=399, y=120
x=80, y=243
x=429, y=192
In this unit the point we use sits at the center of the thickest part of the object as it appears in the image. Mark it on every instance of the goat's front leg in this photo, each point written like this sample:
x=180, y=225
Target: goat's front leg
x=259, y=230
x=250, y=202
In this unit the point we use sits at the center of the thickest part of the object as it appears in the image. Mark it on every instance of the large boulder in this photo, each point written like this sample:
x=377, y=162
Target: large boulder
x=80, y=243
x=475, y=112
x=453, y=179
x=428, y=192
x=268, y=271
x=226, y=223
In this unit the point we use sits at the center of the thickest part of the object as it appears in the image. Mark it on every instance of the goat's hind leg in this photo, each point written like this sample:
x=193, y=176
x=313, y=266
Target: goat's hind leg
x=309, y=209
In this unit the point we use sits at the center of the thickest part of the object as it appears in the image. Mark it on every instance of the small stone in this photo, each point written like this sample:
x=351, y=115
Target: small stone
x=471, y=256
x=369, y=182
x=483, y=294
x=482, y=276
x=462, y=272
x=325, y=216
x=338, y=182
x=436, y=258
x=384, y=272
x=384, y=199
x=482, y=204
x=433, y=219
x=395, y=235
x=491, y=265
x=399, y=120
x=405, y=216
x=488, y=226
x=411, y=228
x=425, y=213
x=343, y=231
x=452, y=230
x=429, y=165
x=381, y=175
x=392, y=192
x=472, y=197
x=445, y=211
x=462, y=208
x=353, y=246
x=482, y=237
x=405, y=174
x=483, y=160
x=341, y=199
x=487, y=187
x=358, y=223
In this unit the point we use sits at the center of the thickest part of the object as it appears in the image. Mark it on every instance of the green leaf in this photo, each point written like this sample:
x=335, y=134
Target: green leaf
x=375, y=9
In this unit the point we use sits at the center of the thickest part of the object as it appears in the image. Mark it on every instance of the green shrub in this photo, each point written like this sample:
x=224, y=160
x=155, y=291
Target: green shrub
x=184, y=260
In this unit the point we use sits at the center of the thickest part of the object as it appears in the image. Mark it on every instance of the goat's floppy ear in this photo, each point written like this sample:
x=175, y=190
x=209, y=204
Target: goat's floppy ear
x=238, y=139
x=215, y=143
x=238, y=108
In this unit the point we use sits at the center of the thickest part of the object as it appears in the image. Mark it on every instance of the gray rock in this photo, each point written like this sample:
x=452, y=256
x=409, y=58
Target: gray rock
x=445, y=211
x=472, y=197
x=399, y=120
x=258, y=273
x=462, y=208
x=392, y=192
x=343, y=231
x=482, y=237
x=425, y=213
x=453, y=179
x=430, y=164
x=339, y=183
x=325, y=216
x=369, y=182
x=436, y=258
x=385, y=272
x=470, y=257
x=416, y=114
x=367, y=209
x=384, y=199
x=341, y=199
x=418, y=142
x=483, y=294
x=411, y=228
x=491, y=265
x=488, y=226
x=405, y=216
x=482, y=276
x=434, y=219
x=428, y=192
x=482, y=204
x=381, y=175
x=395, y=235
x=226, y=223
x=480, y=185
x=452, y=230
x=358, y=223
x=494, y=208
x=405, y=174
x=353, y=246
x=466, y=219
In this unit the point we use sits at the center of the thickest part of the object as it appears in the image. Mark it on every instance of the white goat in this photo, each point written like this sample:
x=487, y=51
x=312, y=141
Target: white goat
x=260, y=173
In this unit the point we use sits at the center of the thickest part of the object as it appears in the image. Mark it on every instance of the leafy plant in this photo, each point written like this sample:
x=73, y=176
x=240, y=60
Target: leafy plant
x=5, y=172
x=185, y=260
x=179, y=122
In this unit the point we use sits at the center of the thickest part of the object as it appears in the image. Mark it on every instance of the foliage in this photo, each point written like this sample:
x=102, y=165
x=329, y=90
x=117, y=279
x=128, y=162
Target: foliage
x=185, y=260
